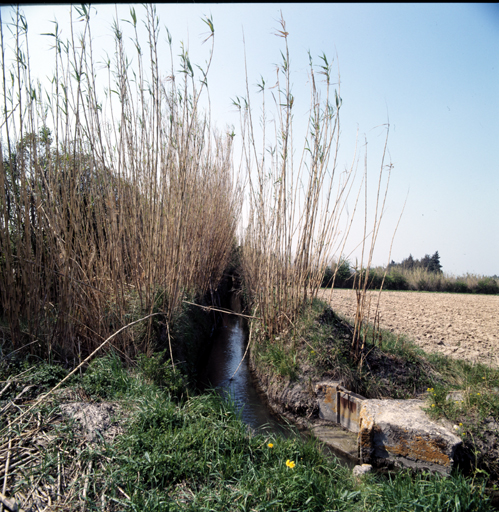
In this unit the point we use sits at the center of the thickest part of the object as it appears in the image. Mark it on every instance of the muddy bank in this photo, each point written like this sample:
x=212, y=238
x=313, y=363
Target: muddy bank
x=296, y=401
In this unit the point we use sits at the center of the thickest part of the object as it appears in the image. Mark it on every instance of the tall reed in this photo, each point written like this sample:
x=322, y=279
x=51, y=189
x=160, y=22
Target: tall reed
x=114, y=200
x=296, y=207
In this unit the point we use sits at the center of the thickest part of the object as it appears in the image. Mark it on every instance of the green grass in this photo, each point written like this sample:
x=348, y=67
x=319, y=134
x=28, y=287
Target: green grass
x=317, y=346
x=280, y=356
x=180, y=453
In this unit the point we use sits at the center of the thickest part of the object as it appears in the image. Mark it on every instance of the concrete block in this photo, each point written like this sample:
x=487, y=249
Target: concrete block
x=399, y=432
x=341, y=441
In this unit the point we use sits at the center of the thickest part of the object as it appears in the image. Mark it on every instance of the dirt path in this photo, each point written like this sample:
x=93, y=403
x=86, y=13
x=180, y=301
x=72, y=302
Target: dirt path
x=460, y=325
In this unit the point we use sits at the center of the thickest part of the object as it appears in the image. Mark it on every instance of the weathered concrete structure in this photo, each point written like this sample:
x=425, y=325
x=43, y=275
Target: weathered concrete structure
x=399, y=432
x=339, y=404
x=390, y=432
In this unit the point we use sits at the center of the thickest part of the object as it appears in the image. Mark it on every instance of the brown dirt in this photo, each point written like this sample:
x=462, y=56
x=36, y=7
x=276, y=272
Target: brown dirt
x=459, y=325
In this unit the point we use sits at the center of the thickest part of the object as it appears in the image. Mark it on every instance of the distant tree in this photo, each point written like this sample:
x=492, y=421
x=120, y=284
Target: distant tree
x=429, y=263
x=425, y=262
x=434, y=265
x=408, y=263
x=343, y=275
x=327, y=278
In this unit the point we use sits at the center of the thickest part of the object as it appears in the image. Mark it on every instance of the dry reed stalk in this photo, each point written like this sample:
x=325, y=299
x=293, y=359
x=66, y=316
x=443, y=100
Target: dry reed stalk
x=361, y=280
x=7, y=466
x=109, y=209
x=28, y=447
x=292, y=234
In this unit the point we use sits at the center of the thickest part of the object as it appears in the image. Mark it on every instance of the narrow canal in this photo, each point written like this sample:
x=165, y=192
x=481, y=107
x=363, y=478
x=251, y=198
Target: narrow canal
x=229, y=345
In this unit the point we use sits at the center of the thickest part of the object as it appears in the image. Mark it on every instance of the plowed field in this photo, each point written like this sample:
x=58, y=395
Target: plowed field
x=459, y=325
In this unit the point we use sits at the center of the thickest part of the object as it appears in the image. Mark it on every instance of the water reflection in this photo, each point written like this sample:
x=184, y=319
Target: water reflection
x=228, y=349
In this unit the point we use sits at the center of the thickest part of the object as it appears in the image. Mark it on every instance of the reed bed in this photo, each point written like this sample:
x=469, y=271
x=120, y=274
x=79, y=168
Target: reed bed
x=119, y=204
x=116, y=199
x=297, y=220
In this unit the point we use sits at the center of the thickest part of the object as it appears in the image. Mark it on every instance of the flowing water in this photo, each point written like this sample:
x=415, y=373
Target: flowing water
x=229, y=345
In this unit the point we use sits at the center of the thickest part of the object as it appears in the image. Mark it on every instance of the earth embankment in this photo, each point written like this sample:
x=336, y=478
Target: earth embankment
x=458, y=325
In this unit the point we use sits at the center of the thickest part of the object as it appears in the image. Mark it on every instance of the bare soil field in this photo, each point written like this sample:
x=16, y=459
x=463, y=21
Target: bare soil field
x=459, y=325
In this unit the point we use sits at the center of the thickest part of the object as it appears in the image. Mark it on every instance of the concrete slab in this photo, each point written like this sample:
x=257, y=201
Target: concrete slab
x=390, y=432
x=399, y=432
x=341, y=440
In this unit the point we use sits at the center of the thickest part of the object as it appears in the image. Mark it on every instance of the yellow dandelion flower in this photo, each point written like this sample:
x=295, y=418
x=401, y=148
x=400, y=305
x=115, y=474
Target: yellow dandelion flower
x=270, y=445
x=433, y=405
x=478, y=394
x=290, y=464
x=460, y=424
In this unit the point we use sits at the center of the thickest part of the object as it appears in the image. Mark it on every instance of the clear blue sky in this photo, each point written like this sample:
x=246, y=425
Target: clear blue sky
x=431, y=69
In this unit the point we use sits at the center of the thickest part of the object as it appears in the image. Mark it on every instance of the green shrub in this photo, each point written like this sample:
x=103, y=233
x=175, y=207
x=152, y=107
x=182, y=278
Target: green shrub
x=396, y=281
x=106, y=377
x=159, y=370
x=343, y=275
x=488, y=286
x=46, y=376
x=456, y=287
x=422, y=285
x=327, y=278
x=375, y=280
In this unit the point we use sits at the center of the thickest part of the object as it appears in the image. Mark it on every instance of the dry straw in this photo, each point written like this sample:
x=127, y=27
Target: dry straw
x=113, y=205
x=296, y=208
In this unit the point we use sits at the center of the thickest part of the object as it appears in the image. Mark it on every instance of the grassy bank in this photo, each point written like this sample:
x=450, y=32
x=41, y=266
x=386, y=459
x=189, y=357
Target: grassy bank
x=319, y=346
x=162, y=448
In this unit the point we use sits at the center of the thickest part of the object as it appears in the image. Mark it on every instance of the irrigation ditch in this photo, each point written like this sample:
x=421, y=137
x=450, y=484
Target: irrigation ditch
x=390, y=434
x=229, y=370
x=387, y=433
x=68, y=444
